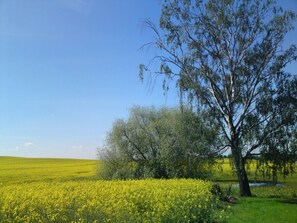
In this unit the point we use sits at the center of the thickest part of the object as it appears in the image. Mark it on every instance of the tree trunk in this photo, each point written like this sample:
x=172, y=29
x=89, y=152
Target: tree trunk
x=239, y=162
x=243, y=181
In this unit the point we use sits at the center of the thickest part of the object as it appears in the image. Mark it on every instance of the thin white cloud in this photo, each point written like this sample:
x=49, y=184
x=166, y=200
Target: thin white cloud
x=29, y=144
x=78, y=147
x=26, y=145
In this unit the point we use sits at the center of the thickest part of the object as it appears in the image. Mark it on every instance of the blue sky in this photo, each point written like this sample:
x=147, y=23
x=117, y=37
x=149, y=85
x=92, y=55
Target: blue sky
x=69, y=68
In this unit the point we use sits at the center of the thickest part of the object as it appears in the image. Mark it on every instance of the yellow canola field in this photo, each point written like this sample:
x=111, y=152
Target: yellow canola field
x=15, y=170
x=108, y=201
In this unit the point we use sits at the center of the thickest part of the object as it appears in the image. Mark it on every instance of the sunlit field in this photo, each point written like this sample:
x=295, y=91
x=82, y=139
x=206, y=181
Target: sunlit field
x=114, y=201
x=269, y=204
x=66, y=190
x=25, y=170
x=224, y=173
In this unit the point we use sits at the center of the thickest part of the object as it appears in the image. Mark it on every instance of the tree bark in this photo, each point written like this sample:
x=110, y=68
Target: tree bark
x=239, y=162
x=243, y=181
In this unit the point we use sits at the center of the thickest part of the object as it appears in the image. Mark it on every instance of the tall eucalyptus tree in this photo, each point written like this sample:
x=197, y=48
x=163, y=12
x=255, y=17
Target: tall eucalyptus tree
x=228, y=57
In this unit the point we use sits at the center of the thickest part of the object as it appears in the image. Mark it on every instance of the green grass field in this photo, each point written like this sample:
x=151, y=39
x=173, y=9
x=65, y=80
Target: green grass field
x=268, y=204
x=60, y=184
